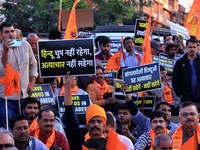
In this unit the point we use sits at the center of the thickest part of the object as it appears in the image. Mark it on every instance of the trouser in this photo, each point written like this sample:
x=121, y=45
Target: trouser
x=13, y=108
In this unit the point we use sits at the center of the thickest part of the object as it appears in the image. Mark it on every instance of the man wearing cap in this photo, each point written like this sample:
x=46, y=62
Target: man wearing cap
x=95, y=119
x=155, y=48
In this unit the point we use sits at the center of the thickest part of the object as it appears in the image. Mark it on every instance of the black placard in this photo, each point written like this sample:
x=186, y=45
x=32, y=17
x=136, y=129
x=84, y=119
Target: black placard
x=148, y=103
x=44, y=93
x=81, y=102
x=110, y=75
x=116, y=45
x=56, y=57
x=140, y=29
x=142, y=78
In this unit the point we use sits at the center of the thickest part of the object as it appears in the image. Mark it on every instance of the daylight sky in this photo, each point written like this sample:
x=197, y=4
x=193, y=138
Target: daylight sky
x=186, y=3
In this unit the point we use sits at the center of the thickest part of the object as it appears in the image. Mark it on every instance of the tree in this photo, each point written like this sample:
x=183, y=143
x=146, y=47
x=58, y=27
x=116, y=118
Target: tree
x=42, y=15
x=36, y=15
x=112, y=12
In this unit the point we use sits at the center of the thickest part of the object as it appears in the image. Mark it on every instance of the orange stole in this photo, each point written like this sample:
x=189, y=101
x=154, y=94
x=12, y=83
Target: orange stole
x=168, y=94
x=153, y=135
x=191, y=144
x=104, y=88
x=73, y=90
x=50, y=139
x=33, y=125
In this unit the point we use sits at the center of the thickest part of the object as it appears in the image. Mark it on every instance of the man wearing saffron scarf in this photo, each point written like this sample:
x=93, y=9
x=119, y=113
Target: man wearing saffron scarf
x=46, y=133
x=187, y=135
x=98, y=88
x=158, y=125
x=95, y=120
x=31, y=108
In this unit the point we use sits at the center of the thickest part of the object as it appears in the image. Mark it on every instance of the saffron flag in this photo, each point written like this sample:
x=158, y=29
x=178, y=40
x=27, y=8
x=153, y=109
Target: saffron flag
x=154, y=24
x=192, y=22
x=114, y=62
x=114, y=142
x=147, y=57
x=11, y=81
x=71, y=29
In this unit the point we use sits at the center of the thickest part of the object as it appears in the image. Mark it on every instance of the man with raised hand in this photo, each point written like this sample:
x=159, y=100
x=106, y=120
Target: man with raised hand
x=95, y=119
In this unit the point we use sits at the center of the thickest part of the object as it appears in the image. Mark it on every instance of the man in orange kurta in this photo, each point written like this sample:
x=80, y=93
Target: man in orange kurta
x=187, y=135
x=98, y=88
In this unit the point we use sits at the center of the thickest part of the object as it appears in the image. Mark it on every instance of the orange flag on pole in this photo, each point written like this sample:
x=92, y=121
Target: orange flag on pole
x=60, y=15
x=11, y=81
x=192, y=22
x=147, y=57
x=71, y=29
x=154, y=24
x=114, y=142
x=114, y=62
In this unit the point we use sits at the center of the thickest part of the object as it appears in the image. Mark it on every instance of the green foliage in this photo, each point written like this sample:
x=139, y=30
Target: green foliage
x=36, y=15
x=111, y=12
x=42, y=15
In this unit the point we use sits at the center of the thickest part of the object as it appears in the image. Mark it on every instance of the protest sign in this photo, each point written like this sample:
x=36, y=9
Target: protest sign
x=167, y=63
x=110, y=75
x=57, y=57
x=44, y=93
x=80, y=102
x=116, y=45
x=142, y=78
x=148, y=104
x=177, y=29
x=140, y=29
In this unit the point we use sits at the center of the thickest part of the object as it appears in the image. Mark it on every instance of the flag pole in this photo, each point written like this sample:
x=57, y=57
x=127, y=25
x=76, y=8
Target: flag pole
x=20, y=112
x=6, y=108
x=59, y=15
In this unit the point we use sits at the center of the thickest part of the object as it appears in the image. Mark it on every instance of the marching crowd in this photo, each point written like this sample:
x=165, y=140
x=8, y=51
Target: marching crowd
x=39, y=126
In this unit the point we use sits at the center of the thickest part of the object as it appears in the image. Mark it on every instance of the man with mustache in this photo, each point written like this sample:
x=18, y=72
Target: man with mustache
x=31, y=108
x=186, y=74
x=20, y=129
x=95, y=119
x=187, y=135
x=158, y=125
x=131, y=57
x=46, y=133
x=98, y=88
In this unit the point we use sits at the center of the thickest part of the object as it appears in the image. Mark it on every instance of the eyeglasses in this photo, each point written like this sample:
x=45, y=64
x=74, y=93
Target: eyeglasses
x=8, y=145
x=185, y=114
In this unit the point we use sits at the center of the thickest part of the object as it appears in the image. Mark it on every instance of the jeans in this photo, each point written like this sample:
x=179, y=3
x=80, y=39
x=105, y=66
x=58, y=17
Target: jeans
x=13, y=108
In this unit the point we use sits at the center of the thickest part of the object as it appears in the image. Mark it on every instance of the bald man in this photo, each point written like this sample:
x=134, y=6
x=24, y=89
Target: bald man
x=18, y=34
x=32, y=38
x=6, y=140
x=163, y=142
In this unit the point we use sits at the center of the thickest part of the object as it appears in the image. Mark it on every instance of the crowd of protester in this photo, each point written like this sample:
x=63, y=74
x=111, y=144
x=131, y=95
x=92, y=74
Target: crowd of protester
x=34, y=126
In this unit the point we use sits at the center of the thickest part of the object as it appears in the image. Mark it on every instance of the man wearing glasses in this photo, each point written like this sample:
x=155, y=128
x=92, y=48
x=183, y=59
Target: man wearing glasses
x=130, y=57
x=6, y=140
x=187, y=135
